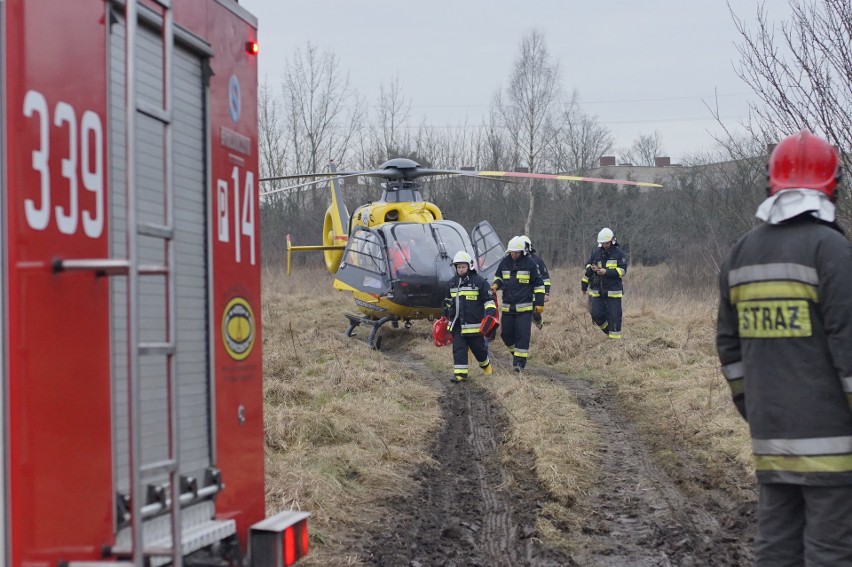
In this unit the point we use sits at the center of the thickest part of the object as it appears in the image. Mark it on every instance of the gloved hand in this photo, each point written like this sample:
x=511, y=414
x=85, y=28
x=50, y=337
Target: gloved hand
x=539, y=309
x=494, y=288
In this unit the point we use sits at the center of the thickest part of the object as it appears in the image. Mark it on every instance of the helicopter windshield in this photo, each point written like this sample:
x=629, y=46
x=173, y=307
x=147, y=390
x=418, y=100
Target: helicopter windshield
x=419, y=257
x=411, y=249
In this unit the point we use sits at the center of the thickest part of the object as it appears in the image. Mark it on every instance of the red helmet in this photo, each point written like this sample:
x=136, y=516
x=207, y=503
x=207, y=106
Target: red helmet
x=804, y=161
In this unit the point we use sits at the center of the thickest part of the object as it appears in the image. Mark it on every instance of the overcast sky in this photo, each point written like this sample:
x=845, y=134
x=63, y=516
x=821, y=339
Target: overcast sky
x=639, y=66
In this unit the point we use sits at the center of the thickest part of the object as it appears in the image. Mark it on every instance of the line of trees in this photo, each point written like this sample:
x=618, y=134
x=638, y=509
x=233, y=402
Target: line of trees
x=533, y=124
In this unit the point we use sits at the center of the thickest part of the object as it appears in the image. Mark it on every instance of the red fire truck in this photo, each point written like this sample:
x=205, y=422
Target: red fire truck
x=132, y=417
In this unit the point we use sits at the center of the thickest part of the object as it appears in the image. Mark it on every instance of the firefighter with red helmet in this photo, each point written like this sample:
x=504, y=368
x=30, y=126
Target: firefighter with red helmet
x=545, y=276
x=523, y=294
x=603, y=281
x=784, y=339
x=467, y=303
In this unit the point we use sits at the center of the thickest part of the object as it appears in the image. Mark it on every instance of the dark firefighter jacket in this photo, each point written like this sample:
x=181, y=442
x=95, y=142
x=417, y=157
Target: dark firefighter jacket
x=542, y=268
x=615, y=263
x=784, y=338
x=468, y=300
x=521, y=284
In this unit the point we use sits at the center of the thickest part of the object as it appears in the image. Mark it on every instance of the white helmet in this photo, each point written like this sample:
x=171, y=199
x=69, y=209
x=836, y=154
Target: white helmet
x=463, y=257
x=527, y=241
x=605, y=235
x=517, y=244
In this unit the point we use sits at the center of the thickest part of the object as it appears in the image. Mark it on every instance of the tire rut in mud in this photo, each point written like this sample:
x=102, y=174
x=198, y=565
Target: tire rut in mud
x=471, y=509
x=636, y=514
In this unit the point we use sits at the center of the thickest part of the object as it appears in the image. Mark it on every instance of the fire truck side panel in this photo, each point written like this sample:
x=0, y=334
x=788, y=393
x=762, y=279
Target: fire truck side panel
x=60, y=465
x=235, y=228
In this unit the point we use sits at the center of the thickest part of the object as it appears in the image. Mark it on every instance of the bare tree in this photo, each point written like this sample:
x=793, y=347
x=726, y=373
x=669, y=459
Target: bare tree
x=392, y=114
x=581, y=142
x=643, y=150
x=529, y=110
x=272, y=141
x=273, y=145
x=802, y=74
x=323, y=111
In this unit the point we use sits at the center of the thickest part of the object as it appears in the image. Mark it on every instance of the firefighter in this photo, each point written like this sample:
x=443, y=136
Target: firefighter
x=523, y=294
x=784, y=339
x=467, y=303
x=603, y=282
x=545, y=276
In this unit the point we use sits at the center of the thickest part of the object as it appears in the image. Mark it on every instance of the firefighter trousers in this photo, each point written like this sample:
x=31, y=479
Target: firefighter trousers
x=606, y=313
x=803, y=526
x=461, y=343
x=516, y=329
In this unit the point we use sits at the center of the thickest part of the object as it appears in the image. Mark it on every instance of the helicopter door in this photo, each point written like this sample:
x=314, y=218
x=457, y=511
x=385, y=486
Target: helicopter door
x=488, y=249
x=365, y=264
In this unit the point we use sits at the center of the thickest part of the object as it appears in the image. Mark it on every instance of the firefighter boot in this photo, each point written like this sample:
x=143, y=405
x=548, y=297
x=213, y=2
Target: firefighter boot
x=457, y=378
x=488, y=369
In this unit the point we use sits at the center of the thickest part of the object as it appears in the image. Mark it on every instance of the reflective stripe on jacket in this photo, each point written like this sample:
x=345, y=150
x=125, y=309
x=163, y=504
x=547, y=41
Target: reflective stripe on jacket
x=542, y=268
x=784, y=339
x=468, y=300
x=615, y=263
x=521, y=284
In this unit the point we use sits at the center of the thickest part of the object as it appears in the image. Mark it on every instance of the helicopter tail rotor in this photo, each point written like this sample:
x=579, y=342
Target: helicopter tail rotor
x=335, y=227
x=335, y=234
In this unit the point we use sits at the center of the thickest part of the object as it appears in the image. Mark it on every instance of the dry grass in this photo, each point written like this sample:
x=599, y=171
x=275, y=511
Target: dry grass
x=346, y=426
x=665, y=371
x=343, y=426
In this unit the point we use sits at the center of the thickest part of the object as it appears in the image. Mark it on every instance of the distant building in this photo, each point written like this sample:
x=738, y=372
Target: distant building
x=661, y=172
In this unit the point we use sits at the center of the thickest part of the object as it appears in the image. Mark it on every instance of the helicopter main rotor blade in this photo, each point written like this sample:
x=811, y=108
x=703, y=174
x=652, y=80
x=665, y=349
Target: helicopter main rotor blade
x=407, y=170
x=303, y=175
x=458, y=173
x=299, y=185
x=567, y=178
x=391, y=174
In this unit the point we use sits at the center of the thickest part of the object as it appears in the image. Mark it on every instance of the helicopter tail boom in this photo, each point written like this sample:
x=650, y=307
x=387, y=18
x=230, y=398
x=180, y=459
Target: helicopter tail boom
x=291, y=249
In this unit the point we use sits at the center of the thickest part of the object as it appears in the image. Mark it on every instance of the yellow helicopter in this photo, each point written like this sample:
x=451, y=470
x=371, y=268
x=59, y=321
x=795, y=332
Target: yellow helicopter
x=394, y=254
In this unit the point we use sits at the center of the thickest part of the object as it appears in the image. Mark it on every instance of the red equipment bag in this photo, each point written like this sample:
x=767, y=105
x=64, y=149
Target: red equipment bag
x=489, y=326
x=490, y=323
x=441, y=336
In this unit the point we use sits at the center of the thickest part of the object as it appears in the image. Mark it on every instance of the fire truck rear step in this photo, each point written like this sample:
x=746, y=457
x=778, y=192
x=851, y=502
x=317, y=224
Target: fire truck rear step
x=198, y=537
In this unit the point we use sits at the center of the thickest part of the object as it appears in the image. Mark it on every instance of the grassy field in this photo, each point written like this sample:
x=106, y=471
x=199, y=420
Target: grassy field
x=346, y=426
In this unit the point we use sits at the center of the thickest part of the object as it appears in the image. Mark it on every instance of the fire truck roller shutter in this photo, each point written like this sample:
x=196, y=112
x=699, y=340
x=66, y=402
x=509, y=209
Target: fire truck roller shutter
x=191, y=250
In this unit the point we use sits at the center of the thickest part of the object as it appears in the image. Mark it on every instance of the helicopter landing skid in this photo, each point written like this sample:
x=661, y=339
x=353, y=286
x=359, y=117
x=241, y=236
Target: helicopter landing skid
x=374, y=340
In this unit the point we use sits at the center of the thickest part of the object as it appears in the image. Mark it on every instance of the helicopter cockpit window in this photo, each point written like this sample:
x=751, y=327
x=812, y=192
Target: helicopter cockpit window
x=365, y=251
x=411, y=249
x=397, y=194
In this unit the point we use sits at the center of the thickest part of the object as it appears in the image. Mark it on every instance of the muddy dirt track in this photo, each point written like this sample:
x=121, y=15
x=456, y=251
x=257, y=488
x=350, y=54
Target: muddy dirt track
x=467, y=513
